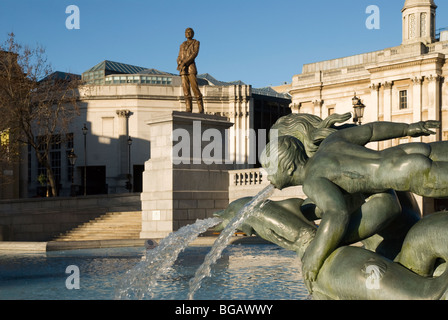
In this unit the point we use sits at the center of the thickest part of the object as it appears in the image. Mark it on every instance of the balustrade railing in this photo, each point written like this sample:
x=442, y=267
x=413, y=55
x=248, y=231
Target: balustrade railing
x=248, y=177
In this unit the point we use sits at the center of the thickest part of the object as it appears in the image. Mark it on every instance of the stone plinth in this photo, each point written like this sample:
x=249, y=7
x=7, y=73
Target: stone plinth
x=181, y=183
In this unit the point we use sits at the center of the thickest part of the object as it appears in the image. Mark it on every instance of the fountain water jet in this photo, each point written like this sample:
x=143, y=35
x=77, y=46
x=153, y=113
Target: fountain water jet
x=139, y=282
x=224, y=238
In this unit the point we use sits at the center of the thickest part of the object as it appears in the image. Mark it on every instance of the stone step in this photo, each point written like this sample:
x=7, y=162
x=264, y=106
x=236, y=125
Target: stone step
x=98, y=236
x=111, y=237
x=87, y=233
x=104, y=230
x=100, y=232
x=117, y=221
x=102, y=224
x=112, y=225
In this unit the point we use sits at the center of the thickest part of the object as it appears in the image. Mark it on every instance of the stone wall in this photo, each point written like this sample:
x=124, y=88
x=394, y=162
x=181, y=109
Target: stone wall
x=41, y=219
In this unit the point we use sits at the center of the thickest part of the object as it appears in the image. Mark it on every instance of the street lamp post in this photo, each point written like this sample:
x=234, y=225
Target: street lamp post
x=358, y=107
x=72, y=158
x=84, y=132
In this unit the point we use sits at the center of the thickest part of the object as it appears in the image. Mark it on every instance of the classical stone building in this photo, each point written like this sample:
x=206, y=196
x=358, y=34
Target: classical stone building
x=405, y=83
x=116, y=104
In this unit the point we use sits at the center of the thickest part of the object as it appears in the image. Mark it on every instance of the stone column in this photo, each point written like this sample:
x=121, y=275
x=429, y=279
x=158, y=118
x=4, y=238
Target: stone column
x=374, y=95
x=434, y=102
x=245, y=129
x=295, y=107
x=318, y=107
x=235, y=141
x=231, y=136
x=249, y=141
x=123, y=135
x=375, y=107
x=387, y=108
x=253, y=155
x=241, y=100
x=387, y=112
x=180, y=183
x=417, y=102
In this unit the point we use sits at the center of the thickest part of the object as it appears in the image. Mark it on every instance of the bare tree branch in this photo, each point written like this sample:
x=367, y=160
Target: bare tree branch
x=36, y=104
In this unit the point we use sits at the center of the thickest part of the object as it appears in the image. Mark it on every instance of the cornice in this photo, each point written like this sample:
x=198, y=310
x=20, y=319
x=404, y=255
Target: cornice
x=400, y=65
x=329, y=85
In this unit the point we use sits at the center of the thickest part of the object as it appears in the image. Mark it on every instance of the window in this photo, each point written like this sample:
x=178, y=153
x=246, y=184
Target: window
x=147, y=80
x=55, y=142
x=69, y=145
x=55, y=159
x=138, y=79
x=41, y=170
x=68, y=165
x=55, y=155
x=403, y=99
x=69, y=140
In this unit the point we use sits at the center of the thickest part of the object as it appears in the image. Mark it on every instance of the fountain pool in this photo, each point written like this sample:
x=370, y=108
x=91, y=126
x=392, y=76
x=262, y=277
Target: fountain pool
x=244, y=272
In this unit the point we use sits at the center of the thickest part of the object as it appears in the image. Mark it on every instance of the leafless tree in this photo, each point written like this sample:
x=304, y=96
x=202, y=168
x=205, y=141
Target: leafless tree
x=36, y=104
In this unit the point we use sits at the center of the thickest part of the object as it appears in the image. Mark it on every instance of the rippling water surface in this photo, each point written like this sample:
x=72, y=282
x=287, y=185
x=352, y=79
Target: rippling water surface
x=249, y=272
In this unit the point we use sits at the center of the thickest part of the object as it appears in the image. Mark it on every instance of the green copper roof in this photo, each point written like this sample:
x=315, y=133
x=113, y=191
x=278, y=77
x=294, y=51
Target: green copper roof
x=156, y=72
x=116, y=67
x=215, y=82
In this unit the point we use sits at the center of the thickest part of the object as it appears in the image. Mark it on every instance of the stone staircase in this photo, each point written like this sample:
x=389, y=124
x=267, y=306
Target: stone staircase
x=112, y=225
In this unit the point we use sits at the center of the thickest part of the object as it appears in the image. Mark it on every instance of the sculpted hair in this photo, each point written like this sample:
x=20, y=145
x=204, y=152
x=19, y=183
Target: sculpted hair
x=290, y=151
x=311, y=130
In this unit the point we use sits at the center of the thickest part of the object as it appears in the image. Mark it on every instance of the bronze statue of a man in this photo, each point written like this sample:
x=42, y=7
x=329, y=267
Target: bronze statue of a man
x=185, y=64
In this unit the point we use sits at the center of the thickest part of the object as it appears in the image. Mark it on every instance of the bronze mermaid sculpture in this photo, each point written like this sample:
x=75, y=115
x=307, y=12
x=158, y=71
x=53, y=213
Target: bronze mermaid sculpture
x=360, y=195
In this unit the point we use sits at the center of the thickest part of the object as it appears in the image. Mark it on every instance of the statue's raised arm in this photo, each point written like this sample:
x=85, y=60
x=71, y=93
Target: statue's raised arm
x=383, y=130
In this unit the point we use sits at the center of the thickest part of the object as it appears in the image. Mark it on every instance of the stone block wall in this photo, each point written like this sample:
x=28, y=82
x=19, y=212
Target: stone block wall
x=177, y=194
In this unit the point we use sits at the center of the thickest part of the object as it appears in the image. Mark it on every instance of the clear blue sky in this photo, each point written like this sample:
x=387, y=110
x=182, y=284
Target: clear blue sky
x=257, y=41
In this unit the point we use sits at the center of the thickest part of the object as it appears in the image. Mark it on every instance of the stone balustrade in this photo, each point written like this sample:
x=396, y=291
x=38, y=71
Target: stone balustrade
x=248, y=182
x=245, y=177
